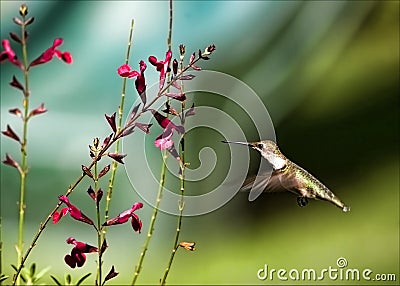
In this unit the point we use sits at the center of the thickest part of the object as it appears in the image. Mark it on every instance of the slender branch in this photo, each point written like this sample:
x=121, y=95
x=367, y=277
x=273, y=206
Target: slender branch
x=114, y=139
x=181, y=202
x=150, y=231
x=181, y=205
x=1, y=246
x=138, y=267
x=99, y=236
x=169, y=39
x=114, y=165
x=24, y=163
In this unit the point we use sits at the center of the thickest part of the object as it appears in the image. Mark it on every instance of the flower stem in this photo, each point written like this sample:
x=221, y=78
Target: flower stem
x=1, y=248
x=114, y=165
x=169, y=39
x=96, y=188
x=181, y=203
x=24, y=163
x=138, y=266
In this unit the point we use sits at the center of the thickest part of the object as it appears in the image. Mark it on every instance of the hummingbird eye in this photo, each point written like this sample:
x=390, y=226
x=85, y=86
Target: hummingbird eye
x=260, y=146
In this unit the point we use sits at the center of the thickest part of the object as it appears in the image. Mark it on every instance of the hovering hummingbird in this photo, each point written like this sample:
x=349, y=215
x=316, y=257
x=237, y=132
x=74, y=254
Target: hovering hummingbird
x=290, y=176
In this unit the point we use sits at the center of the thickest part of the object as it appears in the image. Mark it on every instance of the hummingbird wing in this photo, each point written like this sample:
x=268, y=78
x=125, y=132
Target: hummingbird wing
x=268, y=182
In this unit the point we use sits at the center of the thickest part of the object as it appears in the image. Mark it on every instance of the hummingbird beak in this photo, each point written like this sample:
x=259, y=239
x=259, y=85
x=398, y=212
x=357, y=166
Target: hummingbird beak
x=241, y=143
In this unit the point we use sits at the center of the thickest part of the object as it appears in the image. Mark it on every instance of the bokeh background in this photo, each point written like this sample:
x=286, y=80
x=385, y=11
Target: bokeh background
x=328, y=72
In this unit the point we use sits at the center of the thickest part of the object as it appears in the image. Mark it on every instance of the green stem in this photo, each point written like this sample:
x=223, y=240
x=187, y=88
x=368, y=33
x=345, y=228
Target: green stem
x=169, y=39
x=1, y=248
x=96, y=188
x=181, y=203
x=138, y=266
x=114, y=165
x=24, y=163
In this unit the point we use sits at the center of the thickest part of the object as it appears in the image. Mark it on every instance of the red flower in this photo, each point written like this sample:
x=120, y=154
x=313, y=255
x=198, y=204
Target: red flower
x=74, y=212
x=11, y=162
x=140, y=83
x=124, y=217
x=164, y=122
x=39, y=110
x=126, y=71
x=52, y=51
x=77, y=256
x=9, y=54
x=162, y=66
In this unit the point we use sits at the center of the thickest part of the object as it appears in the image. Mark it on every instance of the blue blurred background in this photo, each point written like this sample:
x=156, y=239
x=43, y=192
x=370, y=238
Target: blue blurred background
x=328, y=73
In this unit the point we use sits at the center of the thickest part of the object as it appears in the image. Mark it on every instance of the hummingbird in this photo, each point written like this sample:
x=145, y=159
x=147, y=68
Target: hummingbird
x=290, y=176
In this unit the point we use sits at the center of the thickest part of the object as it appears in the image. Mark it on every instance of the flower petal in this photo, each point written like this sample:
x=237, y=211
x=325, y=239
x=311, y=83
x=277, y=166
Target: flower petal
x=67, y=57
x=111, y=121
x=121, y=218
x=10, y=133
x=163, y=141
x=117, y=157
x=39, y=110
x=79, y=257
x=124, y=70
x=10, y=161
x=161, y=119
x=144, y=127
x=111, y=274
x=136, y=223
x=70, y=261
x=136, y=206
x=58, y=215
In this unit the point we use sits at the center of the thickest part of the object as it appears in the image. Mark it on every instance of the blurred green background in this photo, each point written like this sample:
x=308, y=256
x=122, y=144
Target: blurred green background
x=328, y=72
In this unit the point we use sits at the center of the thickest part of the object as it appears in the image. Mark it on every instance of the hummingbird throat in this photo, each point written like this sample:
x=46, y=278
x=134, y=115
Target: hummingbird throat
x=276, y=161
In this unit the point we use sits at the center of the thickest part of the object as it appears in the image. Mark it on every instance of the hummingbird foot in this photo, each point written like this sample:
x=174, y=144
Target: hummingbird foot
x=302, y=201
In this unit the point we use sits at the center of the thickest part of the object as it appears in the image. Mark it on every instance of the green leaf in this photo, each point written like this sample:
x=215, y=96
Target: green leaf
x=82, y=279
x=32, y=270
x=68, y=279
x=3, y=277
x=42, y=273
x=56, y=280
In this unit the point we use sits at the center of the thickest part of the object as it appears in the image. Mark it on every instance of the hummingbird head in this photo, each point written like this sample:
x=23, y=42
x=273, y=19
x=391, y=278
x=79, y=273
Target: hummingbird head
x=269, y=150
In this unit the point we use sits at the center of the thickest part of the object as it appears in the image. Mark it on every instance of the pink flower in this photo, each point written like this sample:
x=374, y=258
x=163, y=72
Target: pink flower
x=124, y=217
x=164, y=141
x=162, y=66
x=74, y=212
x=52, y=51
x=77, y=256
x=9, y=54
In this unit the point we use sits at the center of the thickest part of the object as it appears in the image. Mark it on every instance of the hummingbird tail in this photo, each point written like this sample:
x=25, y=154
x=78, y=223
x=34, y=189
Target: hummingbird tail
x=346, y=209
